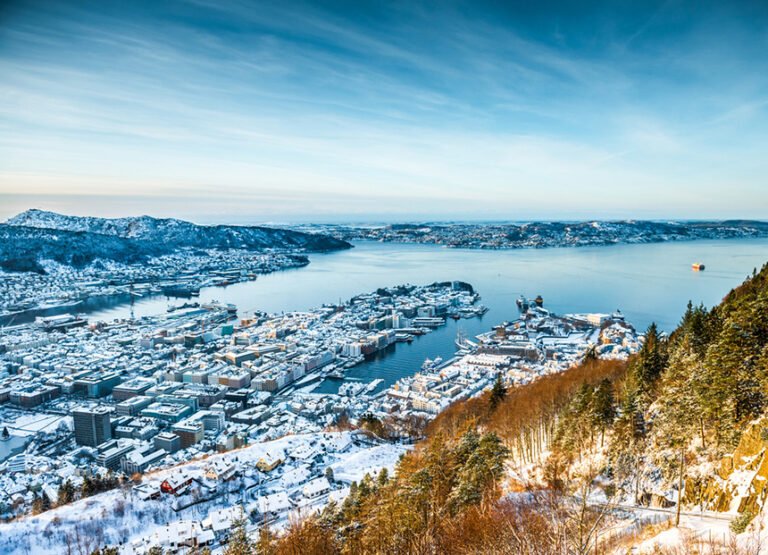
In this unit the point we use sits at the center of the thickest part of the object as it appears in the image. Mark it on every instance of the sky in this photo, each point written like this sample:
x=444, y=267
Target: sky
x=244, y=112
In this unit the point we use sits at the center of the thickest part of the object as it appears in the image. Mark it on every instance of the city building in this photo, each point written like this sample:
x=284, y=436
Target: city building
x=92, y=426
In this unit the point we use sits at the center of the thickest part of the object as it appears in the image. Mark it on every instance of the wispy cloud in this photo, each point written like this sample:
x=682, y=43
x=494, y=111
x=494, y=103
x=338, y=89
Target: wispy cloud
x=288, y=108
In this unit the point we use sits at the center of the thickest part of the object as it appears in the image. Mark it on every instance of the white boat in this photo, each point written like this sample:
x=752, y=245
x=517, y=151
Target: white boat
x=58, y=303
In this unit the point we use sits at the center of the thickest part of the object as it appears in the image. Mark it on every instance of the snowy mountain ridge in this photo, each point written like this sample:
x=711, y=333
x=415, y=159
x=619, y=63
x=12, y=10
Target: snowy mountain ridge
x=179, y=233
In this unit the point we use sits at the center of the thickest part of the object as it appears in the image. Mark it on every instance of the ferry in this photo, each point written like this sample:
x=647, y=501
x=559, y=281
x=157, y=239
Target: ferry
x=427, y=321
x=698, y=267
x=181, y=291
x=430, y=364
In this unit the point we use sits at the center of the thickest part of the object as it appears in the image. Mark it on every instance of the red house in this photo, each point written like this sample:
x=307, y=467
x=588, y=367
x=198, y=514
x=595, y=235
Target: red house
x=176, y=484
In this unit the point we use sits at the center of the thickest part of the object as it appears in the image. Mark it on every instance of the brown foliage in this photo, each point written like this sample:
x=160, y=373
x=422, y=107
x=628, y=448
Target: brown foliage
x=306, y=537
x=416, y=511
x=527, y=417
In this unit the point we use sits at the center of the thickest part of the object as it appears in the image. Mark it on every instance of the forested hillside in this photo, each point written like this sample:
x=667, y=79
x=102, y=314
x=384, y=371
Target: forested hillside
x=35, y=235
x=519, y=471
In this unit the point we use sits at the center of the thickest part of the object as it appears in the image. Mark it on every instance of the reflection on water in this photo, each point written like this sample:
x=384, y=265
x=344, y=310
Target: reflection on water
x=647, y=282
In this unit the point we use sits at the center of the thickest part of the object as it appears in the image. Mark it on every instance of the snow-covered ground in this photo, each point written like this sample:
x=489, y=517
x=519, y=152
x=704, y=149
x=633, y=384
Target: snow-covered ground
x=125, y=516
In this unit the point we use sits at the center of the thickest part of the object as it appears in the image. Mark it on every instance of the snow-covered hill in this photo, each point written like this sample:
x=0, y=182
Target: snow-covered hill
x=127, y=517
x=179, y=233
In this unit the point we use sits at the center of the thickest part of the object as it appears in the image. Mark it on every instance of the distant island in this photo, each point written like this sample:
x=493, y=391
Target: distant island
x=549, y=234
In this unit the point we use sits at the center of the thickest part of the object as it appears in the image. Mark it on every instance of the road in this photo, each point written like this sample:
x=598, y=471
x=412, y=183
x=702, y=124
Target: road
x=673, y=511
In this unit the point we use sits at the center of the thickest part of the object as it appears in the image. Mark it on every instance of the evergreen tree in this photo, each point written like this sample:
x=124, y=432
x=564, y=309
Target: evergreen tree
x=88, y=488
x=66, y=493
x=6, y=433
x=590, y=354
x=652, y=357
x=480, y=471
x=382, y=478
x=41, y=503
x=239, y=542
x=498, y=393
x=365, y=487
x=603, y=410
x=679, y=408
x=647, y=366
x=265, y=545
x=47, y=504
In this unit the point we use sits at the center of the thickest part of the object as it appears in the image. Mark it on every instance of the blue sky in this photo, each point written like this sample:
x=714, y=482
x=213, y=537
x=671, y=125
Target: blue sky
x=281, y=111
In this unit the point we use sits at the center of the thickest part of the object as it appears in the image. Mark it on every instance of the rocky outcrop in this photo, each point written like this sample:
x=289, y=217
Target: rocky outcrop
x=739, y=480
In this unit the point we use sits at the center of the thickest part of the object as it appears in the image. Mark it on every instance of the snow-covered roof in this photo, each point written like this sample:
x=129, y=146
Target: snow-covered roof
x=274, y=503
x=316, y=487
x=222, y=519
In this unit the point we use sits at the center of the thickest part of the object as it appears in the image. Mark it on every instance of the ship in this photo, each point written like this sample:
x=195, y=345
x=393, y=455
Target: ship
x=62, y=322
x=463, y=344
x=172, y=308
x=216, y=305
x=698, y=267
x=181, y=291
x=58, y=303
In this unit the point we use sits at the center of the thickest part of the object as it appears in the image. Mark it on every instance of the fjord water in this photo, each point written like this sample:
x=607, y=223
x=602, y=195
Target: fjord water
x=649, y=282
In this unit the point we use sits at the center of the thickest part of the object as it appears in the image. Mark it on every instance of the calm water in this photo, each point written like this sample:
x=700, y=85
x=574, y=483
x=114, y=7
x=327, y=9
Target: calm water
x=647, y=282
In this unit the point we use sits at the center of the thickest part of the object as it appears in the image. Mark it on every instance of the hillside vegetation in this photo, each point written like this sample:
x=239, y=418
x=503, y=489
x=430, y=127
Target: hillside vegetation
x=511, y=471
